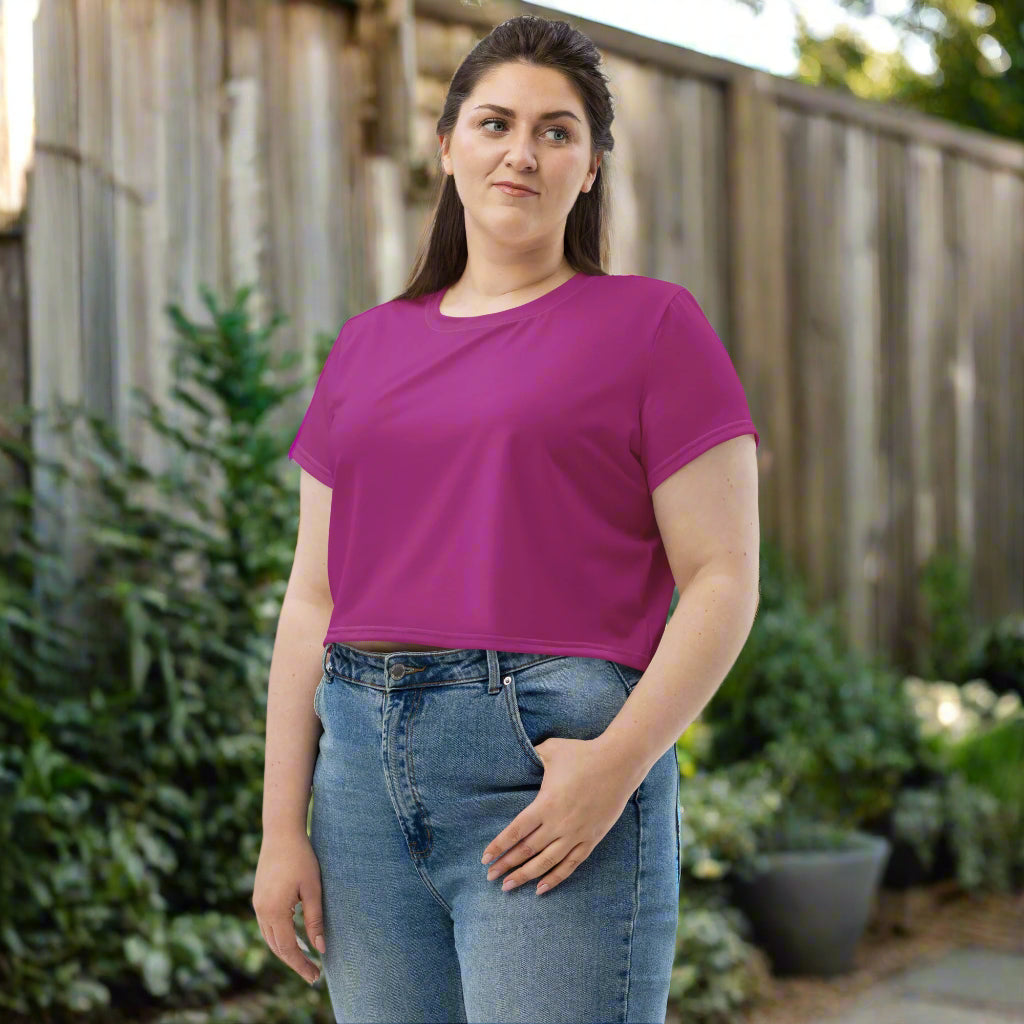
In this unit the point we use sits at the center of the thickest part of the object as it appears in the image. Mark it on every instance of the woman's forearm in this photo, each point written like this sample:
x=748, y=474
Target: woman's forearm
x=293, y=729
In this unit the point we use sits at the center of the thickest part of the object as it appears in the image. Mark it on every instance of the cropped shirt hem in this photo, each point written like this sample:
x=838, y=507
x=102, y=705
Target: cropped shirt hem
x=487, y=641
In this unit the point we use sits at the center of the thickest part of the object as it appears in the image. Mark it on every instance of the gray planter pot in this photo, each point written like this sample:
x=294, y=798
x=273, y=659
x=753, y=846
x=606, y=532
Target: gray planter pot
x=809, y=908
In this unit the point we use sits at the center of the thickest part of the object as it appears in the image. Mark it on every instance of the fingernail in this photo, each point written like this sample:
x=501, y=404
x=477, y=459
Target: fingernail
x=316, y=979
x=320, y=944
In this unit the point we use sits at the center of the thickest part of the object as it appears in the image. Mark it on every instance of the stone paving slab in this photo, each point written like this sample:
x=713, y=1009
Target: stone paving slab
x=966, y=986
x=905, y=1011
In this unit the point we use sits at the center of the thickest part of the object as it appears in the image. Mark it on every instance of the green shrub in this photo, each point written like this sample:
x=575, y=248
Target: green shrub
x=719, y=970
x=132, y=731
x=996, y=654
x=946, y=642
x=948, y=712
x=977, y=834
x=963, y=806
x=847, y=721
x=848, y=742
x=992, y=760
x=724, y=811
x=942, y=638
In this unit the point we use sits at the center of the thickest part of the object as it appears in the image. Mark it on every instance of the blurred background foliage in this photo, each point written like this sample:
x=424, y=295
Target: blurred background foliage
x=978, y=49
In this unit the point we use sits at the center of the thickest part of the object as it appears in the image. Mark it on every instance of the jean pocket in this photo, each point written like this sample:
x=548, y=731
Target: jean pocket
x=629, y=675
x=572, y=696
x=317, y=696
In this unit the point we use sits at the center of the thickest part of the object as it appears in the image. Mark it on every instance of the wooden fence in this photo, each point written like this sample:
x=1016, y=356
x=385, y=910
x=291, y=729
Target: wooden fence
x=863, y=263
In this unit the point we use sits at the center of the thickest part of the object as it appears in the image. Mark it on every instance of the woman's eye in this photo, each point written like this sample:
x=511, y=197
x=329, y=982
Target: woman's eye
x=553, y=128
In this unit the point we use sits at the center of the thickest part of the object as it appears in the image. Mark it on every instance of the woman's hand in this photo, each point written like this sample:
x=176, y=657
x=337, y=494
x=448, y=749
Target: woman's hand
x=288, y=873
x=582, y=795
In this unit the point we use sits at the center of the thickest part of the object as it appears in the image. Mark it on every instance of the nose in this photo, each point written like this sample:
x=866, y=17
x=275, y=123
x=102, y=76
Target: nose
x=520, y=152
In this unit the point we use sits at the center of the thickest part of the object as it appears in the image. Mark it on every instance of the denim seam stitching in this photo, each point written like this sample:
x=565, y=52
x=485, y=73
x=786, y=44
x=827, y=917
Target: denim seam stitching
x=625, y=682
x=411, y=767
x=517, y=723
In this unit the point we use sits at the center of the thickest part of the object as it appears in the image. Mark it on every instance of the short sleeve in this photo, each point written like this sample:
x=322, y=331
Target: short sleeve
x=311, y=448
x=693, y=398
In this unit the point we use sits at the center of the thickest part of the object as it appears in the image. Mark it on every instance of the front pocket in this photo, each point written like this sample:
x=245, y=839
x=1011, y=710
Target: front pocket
x=629, y=675
x=573, y=697
x=316, y=695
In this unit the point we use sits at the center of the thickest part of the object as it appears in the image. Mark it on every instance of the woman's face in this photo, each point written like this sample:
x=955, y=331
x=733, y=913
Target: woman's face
x=522, y=144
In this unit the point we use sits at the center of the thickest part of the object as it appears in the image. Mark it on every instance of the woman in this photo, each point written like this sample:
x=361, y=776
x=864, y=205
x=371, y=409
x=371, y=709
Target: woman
x=493, y=515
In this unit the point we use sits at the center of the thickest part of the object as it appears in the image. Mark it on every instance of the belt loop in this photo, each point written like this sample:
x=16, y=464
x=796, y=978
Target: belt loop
x=326, y=658
x=493, y=672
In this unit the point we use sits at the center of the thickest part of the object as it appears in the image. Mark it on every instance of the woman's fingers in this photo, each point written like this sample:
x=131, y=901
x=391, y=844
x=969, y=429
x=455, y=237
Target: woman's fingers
x=286, y=948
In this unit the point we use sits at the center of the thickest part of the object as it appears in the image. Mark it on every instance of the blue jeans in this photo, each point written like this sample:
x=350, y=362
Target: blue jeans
x=424, y=758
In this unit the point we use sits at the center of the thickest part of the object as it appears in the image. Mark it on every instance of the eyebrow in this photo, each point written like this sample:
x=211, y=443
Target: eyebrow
x=512, y=113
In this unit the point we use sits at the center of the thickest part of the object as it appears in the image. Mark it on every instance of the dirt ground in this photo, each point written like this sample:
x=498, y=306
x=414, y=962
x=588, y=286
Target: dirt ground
x=906, y=929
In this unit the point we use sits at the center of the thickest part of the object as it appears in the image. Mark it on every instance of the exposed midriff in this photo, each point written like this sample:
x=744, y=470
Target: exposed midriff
x=383, y=647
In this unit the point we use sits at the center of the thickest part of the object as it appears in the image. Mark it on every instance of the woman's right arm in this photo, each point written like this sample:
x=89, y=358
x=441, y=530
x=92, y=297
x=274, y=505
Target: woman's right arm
x=293, y=729
x=287, y=872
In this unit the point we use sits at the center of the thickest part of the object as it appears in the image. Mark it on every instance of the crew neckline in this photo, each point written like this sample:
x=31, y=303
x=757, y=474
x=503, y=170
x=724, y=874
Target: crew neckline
x=442, y=322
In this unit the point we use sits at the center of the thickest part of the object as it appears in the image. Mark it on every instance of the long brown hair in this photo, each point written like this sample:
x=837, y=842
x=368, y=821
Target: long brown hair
x=526, y=39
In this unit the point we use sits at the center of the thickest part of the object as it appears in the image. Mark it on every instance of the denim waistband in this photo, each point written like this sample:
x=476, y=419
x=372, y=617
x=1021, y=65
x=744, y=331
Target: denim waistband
x=396, y=669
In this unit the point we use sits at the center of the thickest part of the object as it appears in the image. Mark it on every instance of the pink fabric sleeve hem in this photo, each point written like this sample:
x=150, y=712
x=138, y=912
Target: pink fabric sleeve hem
x=660, y=473
x=310, y=465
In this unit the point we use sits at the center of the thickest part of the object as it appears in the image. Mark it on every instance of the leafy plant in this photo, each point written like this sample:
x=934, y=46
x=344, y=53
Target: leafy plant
x=918, y=819
x=996, y=654
x=718, y=969
x=993, y=757
x=950, y=711
x=976, y=831
x=845, y=720
x=991, y=760
x=724, y=811
x=693, y=748
x=131, y=732
x=941, y=640
x=974, y=47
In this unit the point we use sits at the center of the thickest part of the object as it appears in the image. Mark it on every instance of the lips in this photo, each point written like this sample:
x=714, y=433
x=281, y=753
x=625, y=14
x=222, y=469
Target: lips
x=513, y=185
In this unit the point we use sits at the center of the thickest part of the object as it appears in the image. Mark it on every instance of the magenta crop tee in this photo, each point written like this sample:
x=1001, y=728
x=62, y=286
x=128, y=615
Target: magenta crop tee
x=492, y=474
